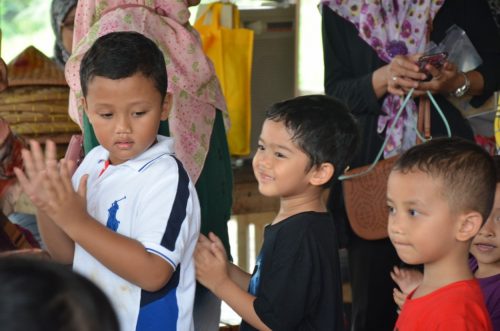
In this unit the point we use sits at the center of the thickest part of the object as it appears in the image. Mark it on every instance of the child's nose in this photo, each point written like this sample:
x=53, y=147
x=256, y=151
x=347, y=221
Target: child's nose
x=488, y=229
x=123, y=125
x=263, y=159
x=394, y=225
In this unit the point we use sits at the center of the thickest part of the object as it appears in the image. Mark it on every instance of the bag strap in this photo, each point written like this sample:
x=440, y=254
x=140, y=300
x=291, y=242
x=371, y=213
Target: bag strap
x=391, y=128
x=423, y=121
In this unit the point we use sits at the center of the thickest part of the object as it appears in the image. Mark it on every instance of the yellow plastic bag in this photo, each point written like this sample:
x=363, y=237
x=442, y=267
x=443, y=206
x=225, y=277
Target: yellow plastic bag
x=230, y=50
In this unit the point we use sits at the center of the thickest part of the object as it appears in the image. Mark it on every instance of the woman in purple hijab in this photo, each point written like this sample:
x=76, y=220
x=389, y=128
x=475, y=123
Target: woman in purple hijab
x=370, y=52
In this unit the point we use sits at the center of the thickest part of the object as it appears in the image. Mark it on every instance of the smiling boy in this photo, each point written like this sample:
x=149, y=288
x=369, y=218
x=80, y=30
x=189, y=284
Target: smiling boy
x=305, y=144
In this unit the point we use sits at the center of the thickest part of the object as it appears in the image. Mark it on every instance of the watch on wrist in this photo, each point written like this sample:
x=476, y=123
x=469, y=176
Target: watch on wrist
x=460, y=92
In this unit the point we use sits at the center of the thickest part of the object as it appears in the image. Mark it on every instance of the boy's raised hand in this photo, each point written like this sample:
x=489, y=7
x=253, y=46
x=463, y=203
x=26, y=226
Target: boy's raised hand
x=211, y=262
x=47, y=183
x=66, y=206
x=407, y=279
x=35, y=173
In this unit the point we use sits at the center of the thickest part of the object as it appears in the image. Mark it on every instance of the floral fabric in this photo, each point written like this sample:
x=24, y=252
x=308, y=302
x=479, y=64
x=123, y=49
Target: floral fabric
x=392, y=27
x=191, y=76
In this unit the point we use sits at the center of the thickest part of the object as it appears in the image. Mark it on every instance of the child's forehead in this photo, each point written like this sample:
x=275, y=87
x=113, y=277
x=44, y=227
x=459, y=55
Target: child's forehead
x=416, y=178
x=277, y=129
x=136, y=86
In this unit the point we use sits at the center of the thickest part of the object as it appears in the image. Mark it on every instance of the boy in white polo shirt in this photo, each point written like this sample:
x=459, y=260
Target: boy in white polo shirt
x=129, y=218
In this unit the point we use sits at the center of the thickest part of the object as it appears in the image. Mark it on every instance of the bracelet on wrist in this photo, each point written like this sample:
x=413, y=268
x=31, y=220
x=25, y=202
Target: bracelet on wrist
x=462, y=90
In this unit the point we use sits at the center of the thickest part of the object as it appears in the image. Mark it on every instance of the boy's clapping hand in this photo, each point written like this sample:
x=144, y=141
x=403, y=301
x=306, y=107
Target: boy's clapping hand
x=211, y=262
x=47, y=183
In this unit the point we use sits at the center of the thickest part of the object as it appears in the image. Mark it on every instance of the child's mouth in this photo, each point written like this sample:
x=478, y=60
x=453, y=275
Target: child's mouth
x=485, y=247
x=123, y=144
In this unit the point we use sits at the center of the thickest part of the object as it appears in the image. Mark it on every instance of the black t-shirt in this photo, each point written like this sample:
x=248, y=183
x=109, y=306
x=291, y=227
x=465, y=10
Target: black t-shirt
x=296, y=279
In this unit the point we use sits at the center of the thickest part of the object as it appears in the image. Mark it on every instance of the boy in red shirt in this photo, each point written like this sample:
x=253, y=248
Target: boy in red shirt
x=438, y=195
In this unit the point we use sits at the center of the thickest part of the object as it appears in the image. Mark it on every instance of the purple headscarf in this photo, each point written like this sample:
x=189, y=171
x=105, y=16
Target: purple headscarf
x=391, y=27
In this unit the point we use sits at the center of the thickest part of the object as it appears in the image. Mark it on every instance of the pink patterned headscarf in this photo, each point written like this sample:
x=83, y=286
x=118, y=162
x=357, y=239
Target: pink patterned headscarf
x=391, y=27
x=191, y=77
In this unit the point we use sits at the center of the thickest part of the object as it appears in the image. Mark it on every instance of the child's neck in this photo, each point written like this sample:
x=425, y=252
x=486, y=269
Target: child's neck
x=299, y=204
x=487, y=269
x=442, y=273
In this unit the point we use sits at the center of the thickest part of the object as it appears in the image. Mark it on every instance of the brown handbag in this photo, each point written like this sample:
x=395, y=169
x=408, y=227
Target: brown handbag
x=365, y=188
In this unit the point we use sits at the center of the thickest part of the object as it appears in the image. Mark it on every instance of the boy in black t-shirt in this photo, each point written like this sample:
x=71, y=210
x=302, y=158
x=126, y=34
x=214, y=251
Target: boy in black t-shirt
x=305, y=144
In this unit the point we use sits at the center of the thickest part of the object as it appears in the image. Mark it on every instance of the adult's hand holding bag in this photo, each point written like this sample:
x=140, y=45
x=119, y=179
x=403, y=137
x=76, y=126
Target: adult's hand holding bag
x=365, y=188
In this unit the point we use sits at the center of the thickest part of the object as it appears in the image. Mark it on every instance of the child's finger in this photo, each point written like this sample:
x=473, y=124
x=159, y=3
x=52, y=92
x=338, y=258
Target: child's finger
x=37, y=156
x=71, y=165
x=53, y=183
x=65, y=176
x=50, y=151
x=215, y=239
x=395, y=274
x=23, y=180
x=29, y=164
x=399, y=298
x=202, y=238
x=82, y=186
x=218, y=252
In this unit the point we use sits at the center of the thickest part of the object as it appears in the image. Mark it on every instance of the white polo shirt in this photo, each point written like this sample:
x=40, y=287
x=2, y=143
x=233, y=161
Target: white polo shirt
x=152, y=200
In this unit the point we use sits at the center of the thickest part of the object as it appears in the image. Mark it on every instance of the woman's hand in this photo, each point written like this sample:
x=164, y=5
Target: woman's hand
x=403, y=74
x=444, y=81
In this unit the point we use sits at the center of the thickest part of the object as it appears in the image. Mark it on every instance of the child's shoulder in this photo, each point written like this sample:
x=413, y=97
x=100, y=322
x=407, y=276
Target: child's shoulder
x=305, y=224
x=457, y=293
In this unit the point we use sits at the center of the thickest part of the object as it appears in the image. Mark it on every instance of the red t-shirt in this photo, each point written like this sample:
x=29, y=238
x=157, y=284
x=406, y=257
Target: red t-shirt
x=455, y=307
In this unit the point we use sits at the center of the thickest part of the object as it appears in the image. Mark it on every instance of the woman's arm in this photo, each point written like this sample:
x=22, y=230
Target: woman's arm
x=349, y=65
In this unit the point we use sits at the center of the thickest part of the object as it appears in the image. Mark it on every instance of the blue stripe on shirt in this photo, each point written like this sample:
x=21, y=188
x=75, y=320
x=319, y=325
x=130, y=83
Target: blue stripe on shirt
x=178, y=213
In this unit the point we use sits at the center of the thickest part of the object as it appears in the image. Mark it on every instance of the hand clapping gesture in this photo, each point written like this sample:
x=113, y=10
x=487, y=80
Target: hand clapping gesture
x=47, y=182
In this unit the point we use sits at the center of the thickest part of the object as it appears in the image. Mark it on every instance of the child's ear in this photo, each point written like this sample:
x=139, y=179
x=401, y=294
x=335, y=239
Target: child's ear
x=166, y=107
x=83, y=102
x=469, y=225
x=322, y=174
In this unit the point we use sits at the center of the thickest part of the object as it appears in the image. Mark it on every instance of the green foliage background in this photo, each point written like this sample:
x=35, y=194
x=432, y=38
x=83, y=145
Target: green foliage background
x=24, y=23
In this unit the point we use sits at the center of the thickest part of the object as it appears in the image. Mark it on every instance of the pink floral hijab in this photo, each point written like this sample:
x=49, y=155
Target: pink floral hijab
x=391, y=27
x=191, y=77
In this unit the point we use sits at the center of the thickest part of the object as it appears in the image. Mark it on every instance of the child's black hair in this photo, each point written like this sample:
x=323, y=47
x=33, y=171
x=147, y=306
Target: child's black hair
x=39, y=295
x=120, y=55
x=496, y=160
x=322, y=127
x=466, y=170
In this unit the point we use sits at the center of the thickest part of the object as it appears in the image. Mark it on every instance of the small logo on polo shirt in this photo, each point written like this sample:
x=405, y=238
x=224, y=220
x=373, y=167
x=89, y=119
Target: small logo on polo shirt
x=112, y=222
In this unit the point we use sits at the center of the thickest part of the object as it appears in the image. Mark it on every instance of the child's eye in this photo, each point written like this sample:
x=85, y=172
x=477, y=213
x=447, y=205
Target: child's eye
x=412, y=212
x=106, y=115
x=496, y=218
x=280, y=155
x=138, y=113
x=260, y=147
x=391, y=210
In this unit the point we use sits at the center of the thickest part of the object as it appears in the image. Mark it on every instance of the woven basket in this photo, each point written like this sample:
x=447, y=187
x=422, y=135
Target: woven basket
x=44, y=128
x=25, y=94
x=32, y=67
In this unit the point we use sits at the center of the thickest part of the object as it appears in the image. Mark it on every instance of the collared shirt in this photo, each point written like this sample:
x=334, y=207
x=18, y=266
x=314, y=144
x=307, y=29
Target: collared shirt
x=150, y=199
